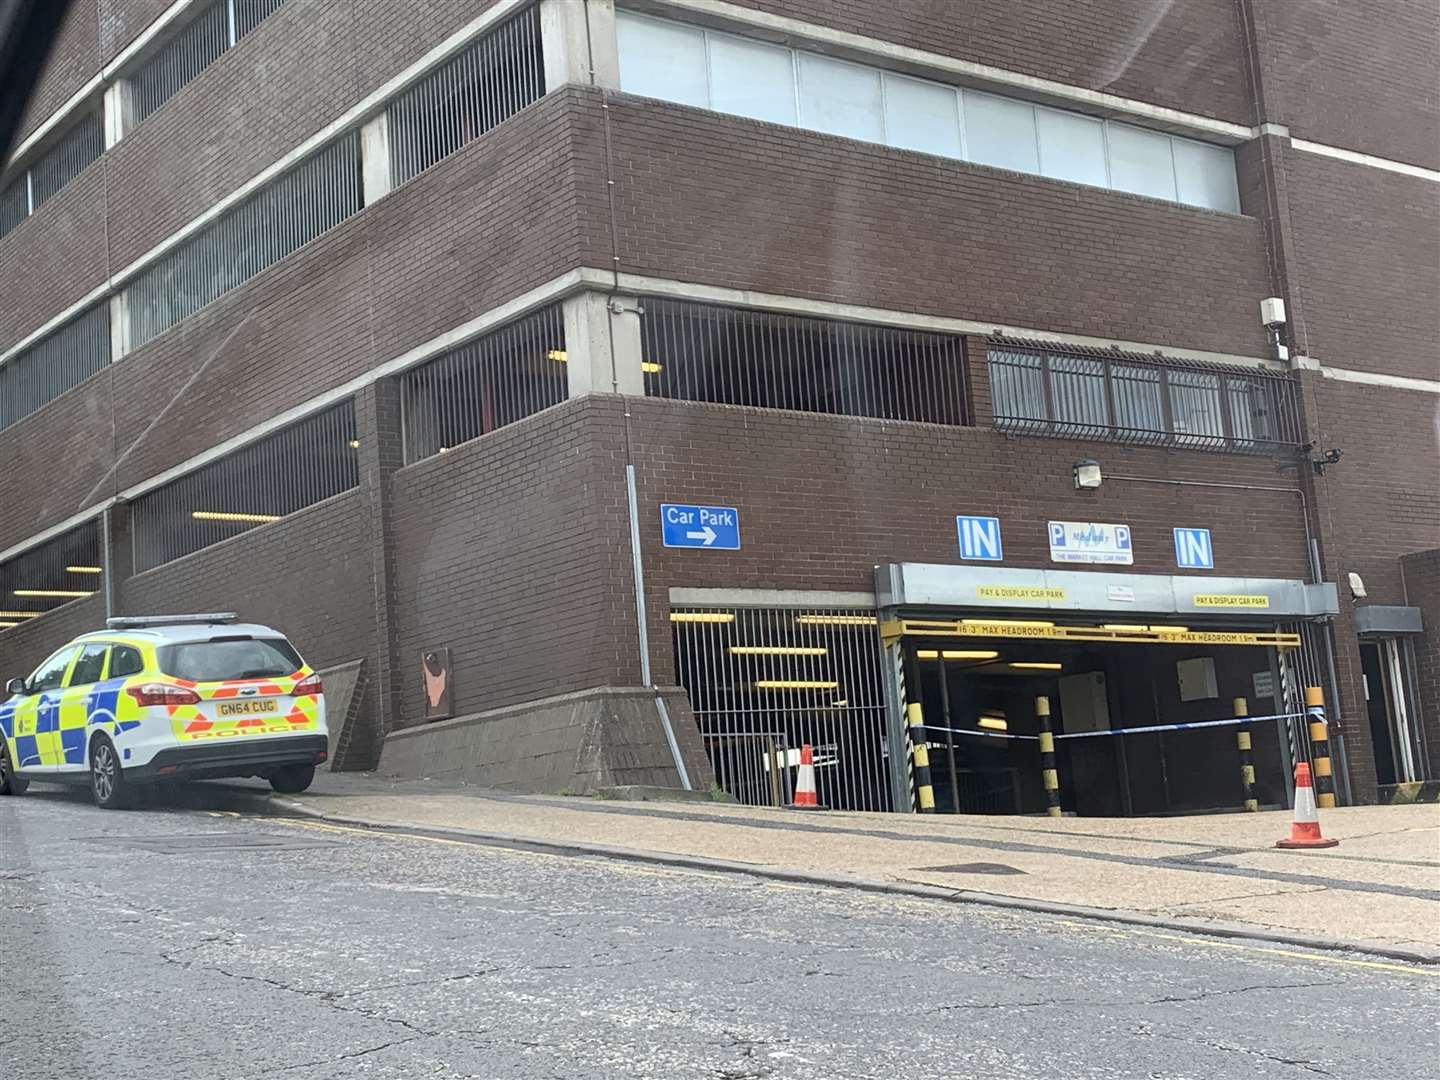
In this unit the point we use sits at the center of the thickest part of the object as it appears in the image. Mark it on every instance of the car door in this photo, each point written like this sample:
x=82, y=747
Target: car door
x=75, y=703
x=37, y=715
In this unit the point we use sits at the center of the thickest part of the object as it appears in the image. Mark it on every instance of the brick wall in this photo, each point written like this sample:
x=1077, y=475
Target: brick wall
x=282, y=82
x=786, y=211
x=53, y=258
x=74, y=60
x=824, y=499
x=122, y=21
x=23, y=648
x=513, y=551
x=1422, y=580
x=308, y=576
x=1183, y=55
x=1361, y=76
x=1367, y=243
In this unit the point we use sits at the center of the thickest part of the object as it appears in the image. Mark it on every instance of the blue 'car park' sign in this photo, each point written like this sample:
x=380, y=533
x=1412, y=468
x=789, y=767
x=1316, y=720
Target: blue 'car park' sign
x=713, y=527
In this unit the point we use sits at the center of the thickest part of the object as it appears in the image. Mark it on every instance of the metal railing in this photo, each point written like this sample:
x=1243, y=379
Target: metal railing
x=733, y=356
x=764, y=682
x=316, y=195
x=493, y=79
x=203, y=41
x=61, y=570
x=54, y=364
x=1087, y=395
x=51, y=171
x=296, y=467
x=495, y=380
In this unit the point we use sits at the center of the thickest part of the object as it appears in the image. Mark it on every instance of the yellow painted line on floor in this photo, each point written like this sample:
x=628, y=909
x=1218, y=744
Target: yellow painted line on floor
x=1270, y=950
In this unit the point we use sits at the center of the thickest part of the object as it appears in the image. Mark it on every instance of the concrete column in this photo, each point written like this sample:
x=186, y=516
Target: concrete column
x=576, y=51
x=119, y=326
x=375, y=158
x=602, y=343
x=119, y=112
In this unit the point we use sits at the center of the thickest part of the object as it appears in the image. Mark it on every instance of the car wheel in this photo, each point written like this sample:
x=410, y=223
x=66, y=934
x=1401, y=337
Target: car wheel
x=10, y=784
x=107, y=777
x=292, y=779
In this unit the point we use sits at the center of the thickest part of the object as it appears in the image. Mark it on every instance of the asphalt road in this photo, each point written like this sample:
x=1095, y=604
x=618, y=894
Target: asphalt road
x=176, y=942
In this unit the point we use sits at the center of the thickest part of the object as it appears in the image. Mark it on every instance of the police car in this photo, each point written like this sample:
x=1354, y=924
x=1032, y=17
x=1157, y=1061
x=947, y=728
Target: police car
x=168, y=697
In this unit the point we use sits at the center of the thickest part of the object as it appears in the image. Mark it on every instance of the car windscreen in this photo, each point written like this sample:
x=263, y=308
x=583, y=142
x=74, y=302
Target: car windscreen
x=229, y=658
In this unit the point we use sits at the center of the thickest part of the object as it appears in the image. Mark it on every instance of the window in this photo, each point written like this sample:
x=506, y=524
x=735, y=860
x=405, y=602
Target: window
x=731, y=74
x=1124, y=399
x=1072, y=147
x=491, y=80
x=230, y=658
x=840, y=98
x=89, y=667
x=667, y=60
x=505, y=376
x=125, y=660
x=60, y=360
x=922, y=116
x=298, y=466
x=50, y=674
x=752, y=79
x=57, y=572
x=1140, y=162
x=294, y=209
x=700, y=352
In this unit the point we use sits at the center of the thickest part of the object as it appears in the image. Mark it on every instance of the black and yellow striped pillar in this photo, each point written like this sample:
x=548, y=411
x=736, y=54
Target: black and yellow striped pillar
x=1320, y=747
x=920, y=753
x=1247, y=763
x=1048, y=772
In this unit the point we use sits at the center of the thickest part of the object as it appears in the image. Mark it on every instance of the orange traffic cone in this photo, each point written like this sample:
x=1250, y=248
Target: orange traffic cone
x=1305, y=831
x=805, y=797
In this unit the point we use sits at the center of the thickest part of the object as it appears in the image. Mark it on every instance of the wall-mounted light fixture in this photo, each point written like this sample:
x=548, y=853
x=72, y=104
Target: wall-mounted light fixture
x=1087, y=475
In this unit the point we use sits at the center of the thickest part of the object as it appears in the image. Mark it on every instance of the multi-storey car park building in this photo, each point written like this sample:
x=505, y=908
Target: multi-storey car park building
x=414, y=330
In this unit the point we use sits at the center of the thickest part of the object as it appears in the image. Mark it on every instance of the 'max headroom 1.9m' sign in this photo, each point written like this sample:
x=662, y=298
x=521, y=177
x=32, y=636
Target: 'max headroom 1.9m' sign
x=1090, y=542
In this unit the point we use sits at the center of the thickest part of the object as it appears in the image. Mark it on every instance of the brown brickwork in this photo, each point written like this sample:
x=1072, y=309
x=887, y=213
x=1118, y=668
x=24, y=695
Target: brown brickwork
x=74, y=61
x=1422, y=583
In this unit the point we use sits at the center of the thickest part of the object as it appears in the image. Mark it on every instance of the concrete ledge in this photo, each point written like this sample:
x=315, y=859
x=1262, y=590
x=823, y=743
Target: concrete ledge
x=1419, y=791
x=1120, y=916
x=568, y=744
x=646, y=793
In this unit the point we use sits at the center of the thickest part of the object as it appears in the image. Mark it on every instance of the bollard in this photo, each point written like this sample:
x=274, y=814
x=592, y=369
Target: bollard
x=1047, y=757
x=1320, y=747
x=915, y=717
x=1247, y=765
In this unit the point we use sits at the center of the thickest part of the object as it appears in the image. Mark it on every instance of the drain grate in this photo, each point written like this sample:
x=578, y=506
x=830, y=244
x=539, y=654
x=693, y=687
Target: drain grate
x=185, y=845
x=971, y=868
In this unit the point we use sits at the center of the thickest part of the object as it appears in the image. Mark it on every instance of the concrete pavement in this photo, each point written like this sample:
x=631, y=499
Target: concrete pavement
x=172, y=943
x=1378, y=891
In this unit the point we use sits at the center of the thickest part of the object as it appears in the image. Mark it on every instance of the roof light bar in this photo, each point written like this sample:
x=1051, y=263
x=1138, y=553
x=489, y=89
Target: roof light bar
x=137, y=622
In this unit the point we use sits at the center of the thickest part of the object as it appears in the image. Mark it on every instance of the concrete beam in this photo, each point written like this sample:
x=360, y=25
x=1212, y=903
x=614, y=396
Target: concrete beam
x=602, y=342
x=119, y=111
x=375, y=158
x=579, y=43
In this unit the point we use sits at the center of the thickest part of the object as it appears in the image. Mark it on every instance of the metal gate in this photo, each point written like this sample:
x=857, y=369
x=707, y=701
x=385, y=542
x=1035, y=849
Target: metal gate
x=764, y=682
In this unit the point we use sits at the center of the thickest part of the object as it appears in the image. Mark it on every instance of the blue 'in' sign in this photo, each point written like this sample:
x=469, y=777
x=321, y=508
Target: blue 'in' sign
x=979, y=538
x=1193, y=550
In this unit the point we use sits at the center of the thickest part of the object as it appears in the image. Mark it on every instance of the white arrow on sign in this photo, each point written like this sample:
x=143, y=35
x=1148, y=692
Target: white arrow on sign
x=706, y=534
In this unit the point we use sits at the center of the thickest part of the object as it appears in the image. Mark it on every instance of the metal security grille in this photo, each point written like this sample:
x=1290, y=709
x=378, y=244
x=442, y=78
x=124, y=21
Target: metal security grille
x=1089, y=395
x=766, y=681
x=54, y=364
x=500, y=378
x=251, y=13
x=294, y=468
x=493, y=79
x=731, y=356
x=217, y=28
x=14, y=203
x=315, y=196
x=39, y=580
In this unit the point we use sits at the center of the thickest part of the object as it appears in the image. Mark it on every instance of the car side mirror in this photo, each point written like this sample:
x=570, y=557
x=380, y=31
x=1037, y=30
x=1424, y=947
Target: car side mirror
x=15, y=686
